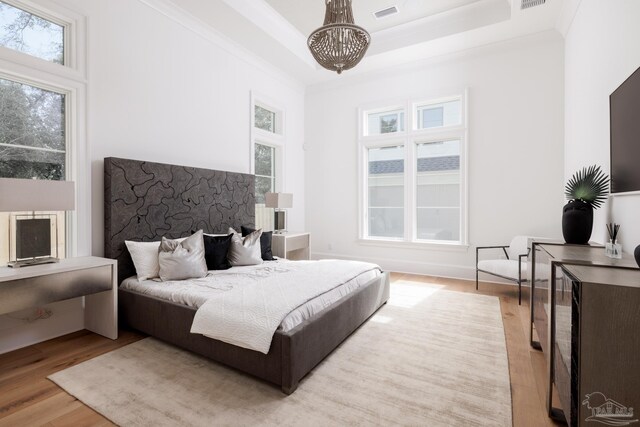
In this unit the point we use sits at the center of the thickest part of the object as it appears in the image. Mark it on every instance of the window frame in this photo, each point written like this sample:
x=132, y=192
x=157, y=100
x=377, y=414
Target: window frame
x=423, y=102
x=68, y=79
x=409, y=138
x=74, y=40
x=387, y=142
x=276, y=140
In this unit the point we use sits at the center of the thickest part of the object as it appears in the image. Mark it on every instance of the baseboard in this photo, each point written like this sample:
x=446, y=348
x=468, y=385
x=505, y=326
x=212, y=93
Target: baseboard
x=413, y=267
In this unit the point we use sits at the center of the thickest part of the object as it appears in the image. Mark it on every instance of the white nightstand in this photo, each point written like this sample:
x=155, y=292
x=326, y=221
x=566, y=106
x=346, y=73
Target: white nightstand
x=90, y=277
x=294, y=246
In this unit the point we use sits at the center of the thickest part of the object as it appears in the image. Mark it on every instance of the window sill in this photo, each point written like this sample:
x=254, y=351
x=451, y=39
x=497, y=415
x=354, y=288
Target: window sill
x=439, y=246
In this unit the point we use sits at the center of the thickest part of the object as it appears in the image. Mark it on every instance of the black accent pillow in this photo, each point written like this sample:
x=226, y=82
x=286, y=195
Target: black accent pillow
x=265, y=242
x=215, y=251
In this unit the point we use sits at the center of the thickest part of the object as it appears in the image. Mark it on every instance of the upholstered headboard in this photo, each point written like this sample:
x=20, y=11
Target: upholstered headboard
x=144, y=201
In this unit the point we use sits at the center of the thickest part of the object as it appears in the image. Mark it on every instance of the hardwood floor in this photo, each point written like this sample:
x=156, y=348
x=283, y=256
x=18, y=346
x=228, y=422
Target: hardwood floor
x=28, y=398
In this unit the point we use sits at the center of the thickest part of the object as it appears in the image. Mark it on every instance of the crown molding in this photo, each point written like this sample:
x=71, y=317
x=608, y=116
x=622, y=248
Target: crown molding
x=197, y=26
x=265, y=17
x=567, y=15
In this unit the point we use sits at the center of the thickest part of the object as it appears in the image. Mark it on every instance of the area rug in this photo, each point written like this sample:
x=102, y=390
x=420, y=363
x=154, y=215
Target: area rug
x=429, y=357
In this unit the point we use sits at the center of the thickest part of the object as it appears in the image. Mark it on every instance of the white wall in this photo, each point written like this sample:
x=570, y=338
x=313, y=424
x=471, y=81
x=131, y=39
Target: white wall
x=516, y=162
x=162, y=92
x=602, y=49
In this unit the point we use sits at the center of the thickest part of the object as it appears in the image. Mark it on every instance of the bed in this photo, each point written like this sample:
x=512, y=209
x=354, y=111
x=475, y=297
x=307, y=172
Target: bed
x=145, y=201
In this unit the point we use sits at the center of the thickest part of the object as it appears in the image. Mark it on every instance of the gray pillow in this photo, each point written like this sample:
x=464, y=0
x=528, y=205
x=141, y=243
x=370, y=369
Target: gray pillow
x=245, y=250
x=181, y=260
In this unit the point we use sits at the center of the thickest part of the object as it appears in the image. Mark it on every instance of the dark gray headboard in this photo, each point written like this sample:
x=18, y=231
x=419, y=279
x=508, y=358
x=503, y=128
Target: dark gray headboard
x=144, y=201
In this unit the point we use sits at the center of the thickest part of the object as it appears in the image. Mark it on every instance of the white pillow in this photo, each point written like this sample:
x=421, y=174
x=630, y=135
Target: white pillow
x=245, y=250
x=145, y=258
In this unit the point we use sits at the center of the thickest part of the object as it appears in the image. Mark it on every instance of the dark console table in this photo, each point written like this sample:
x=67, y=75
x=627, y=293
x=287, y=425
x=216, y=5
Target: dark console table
x=585, y=308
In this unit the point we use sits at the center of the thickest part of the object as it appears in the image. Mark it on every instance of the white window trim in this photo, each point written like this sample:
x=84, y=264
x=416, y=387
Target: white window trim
x=276, y=140
x=70, y=80
x=75, y=47
x=409, y=138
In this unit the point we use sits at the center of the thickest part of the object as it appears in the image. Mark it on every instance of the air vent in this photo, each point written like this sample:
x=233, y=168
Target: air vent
x=386, y=12
x=526, y=4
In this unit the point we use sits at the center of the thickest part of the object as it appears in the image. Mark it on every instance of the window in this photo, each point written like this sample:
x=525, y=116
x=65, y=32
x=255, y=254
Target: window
x=385, y=185
x=438, y=190
x=413, y=183
x=31, y=34
x=438, y=115
x=267, y=145
x=32, y=141
x=42, y=109
x=265, y=171
x=384, y=122
x=265, y=119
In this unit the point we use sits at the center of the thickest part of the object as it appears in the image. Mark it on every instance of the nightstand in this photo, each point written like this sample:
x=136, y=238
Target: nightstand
x=293, y=246
x=90, y=277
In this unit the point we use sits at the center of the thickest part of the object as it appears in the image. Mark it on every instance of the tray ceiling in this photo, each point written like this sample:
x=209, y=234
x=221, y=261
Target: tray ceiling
x=307, y=15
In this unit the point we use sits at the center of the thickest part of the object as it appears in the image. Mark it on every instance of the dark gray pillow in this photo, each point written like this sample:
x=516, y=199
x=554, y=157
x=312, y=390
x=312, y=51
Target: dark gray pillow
x=182, y=260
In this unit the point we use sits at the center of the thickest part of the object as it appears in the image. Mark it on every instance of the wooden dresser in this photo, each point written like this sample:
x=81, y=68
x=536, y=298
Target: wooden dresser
x=585, y=308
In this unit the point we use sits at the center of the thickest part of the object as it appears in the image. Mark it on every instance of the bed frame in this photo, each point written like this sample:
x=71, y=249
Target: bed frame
x=145, y=201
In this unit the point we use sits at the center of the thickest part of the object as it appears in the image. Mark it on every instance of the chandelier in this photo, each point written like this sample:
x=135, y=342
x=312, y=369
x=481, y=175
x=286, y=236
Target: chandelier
x=339, y=44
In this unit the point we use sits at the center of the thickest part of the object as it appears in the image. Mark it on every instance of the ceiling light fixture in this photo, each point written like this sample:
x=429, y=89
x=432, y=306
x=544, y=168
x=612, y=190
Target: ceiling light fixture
x=339, y=44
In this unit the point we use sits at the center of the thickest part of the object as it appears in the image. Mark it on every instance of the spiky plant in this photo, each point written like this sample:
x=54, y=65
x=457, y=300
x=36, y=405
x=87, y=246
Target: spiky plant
x=589, y=185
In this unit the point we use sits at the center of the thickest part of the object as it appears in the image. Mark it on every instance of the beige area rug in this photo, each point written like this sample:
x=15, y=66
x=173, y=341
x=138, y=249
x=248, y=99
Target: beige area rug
x=429, y=357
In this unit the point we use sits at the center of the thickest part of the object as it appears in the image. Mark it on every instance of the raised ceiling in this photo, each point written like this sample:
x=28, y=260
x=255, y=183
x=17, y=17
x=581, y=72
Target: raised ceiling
x=276, y=30
x=307, y=15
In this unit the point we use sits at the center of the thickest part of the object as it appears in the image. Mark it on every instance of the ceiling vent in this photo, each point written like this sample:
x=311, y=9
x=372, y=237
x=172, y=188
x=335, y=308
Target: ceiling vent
x=386, y=12
x=526, y=4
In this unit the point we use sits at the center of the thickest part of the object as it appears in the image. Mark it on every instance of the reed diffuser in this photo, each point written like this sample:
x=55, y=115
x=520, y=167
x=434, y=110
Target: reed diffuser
x=613, y=249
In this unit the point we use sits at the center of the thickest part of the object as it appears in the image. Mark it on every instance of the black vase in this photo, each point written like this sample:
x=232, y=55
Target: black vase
x=577, y=222
x=636, y=253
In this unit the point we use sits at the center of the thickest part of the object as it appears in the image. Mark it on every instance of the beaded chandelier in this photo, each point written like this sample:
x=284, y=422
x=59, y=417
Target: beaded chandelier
x=339, y=44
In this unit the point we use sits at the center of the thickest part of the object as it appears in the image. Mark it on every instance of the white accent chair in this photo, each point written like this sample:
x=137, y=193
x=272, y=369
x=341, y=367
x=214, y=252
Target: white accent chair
x=513, y=268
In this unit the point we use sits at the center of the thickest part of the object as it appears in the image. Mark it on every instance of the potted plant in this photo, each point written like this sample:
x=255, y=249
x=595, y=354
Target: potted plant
x=586, y=190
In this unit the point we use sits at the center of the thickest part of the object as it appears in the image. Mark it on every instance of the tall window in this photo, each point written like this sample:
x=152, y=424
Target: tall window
x=267, y=142
x=265, y=171
x=33, y=141
x=37, y=102
x=413, y=180
x=438, y=190
x=385, y=186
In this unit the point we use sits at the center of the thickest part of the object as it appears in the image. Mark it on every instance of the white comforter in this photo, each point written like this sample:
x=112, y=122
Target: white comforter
x=248, y=316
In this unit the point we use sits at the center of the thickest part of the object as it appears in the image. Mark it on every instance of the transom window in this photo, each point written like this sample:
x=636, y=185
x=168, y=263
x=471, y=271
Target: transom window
x=31, y=34
x=442, y=114
x=384, y=122
x=425, y=201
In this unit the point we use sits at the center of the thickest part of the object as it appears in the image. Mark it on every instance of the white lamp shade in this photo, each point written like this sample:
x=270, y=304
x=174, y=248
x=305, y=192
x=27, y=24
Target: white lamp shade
x=279, y=200
x=36, y=195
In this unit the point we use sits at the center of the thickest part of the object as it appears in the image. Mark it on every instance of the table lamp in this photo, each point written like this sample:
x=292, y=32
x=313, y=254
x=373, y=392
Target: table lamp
x=280, y=202
x=33, y=232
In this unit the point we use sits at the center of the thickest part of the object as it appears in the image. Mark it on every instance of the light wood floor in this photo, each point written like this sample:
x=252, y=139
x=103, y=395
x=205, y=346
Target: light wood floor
x=28, y=398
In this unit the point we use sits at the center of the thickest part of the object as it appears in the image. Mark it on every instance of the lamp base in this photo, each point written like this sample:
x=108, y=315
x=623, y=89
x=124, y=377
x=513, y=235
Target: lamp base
x=35, y=261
